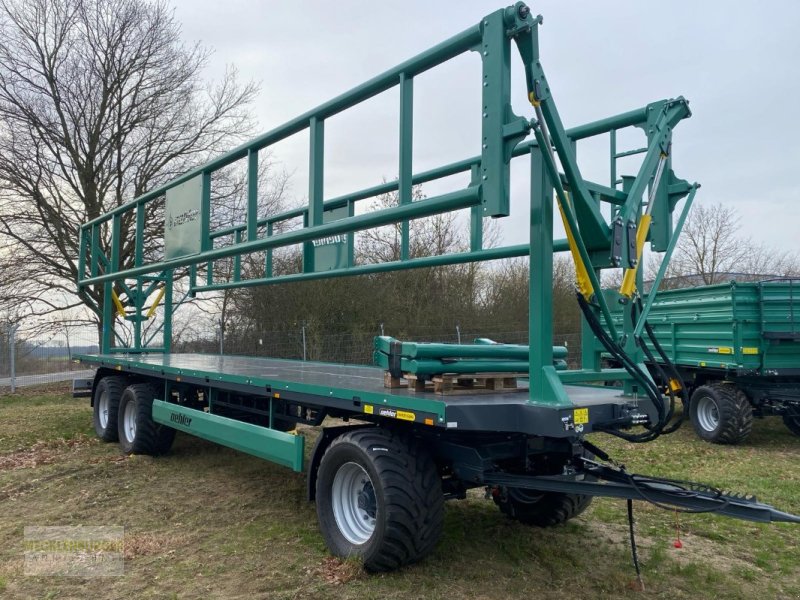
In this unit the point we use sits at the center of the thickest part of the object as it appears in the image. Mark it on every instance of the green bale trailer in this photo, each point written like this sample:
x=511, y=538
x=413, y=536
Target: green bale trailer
x=381, y=472
x=737, y=349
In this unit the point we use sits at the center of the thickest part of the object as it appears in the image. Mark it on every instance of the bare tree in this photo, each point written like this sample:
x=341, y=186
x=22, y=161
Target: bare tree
x=99, y=102
x=711, y=250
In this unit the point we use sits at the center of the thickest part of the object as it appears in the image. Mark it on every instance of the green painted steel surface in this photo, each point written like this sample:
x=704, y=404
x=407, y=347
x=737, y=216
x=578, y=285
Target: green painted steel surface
x=434, y=350
x=283, y=448
x=735, y=326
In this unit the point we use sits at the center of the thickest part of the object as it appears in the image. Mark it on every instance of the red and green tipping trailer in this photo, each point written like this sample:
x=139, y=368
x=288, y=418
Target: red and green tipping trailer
x=393, y=446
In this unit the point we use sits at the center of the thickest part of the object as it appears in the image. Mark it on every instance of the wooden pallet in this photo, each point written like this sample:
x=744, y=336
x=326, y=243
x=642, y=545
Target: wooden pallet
x=451, y=383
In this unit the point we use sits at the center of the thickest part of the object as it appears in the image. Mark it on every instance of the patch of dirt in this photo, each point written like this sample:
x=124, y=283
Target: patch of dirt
x=699, y=549
x=694, y=548
x=147, y=544
x=43, y=453
x=336, y=571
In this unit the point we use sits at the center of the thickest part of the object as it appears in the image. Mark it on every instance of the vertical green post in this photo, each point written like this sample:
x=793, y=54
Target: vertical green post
x=612, y=136
x=495, y=51
x=252, y=194
x=205, y=212
x=81, y=253
x=316, y=165
x=94, y=256
x=108, y=318
x=475, y=214
x=168, y=310
x=205, y=222
x=268, y=259
x=138, y=255
x=237, y=258
x=545, y=386
x=351, y=237
x=138, y=260
x=406, y=148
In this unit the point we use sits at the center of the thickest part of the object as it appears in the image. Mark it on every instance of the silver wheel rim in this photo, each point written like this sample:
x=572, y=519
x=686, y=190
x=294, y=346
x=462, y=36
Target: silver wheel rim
x=354, y=503
x=707, y=414
x=129, y=422
x=102, y=409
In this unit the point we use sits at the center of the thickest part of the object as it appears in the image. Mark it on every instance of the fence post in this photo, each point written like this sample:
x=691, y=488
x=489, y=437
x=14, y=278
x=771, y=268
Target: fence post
x=12, y=350
x=304, y=342
x=458, y=333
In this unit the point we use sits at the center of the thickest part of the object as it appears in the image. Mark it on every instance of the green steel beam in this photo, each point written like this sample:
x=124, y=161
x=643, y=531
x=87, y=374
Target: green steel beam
x=662, y=269
x=455, y=258
x=450, y=48
x=544, y=387
x=283, y=448
x=632, y=118
x=430, y=206
x=316, y=164
x=252, y=194
x=406, y=174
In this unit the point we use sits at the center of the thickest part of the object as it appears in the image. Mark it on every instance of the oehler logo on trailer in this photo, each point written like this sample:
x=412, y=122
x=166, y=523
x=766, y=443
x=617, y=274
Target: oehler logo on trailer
x=180, y=419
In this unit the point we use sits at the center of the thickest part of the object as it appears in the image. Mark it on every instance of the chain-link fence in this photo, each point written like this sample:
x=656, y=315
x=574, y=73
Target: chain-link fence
x=28, y=357
x=34, y=356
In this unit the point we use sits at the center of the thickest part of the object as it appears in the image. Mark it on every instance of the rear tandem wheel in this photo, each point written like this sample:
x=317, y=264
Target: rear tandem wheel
x=138, y=433
x=542, y=509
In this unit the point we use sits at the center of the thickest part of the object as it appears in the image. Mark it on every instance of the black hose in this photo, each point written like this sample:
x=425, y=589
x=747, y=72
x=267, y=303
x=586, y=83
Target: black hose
x=633, y=369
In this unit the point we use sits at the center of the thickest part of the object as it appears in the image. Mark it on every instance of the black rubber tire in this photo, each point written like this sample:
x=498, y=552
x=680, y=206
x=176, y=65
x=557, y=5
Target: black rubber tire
x=407, y=493
x=793, y=423
x=113, y=386
x=734, y=409
x=541, y=509
x=149, y=437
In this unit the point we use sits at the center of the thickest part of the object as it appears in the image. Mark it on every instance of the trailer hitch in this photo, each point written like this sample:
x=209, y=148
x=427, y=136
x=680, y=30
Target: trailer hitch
x=597, y=479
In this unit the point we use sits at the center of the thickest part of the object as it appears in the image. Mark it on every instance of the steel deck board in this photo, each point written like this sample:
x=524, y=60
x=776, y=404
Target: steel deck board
x=347, y=380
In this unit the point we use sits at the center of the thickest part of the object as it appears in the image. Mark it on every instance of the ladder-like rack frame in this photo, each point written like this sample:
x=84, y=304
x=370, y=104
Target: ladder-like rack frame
x=595, y=242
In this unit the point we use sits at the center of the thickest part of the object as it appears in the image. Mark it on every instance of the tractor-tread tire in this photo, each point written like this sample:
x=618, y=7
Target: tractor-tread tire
x=552, y=508
x=735, y=413
x=793, y=423
x=114, y=387
x=408, y=493
x=150, y=438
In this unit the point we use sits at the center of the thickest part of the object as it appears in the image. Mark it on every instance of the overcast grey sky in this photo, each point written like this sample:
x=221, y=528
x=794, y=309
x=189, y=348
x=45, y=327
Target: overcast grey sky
x=736, y=61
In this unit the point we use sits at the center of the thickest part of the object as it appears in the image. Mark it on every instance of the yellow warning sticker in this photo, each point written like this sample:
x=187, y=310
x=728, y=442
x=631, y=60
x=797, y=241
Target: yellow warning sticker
x=580, y=416
x=748, y=350
x=405, y=415
x=720, y=350
x=368, y=409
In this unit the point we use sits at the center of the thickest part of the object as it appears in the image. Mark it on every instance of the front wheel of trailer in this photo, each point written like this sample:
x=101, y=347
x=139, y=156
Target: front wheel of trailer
x=379, y=498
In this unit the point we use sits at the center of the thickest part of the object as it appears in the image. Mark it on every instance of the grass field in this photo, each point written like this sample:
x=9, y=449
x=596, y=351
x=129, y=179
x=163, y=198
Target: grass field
x=208, y=522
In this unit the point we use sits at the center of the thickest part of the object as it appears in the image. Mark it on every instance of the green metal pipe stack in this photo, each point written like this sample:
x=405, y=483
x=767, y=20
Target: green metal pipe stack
x=483, y=356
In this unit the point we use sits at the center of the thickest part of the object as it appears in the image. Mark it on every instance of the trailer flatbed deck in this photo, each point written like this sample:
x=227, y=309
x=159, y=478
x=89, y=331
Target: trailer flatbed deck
x=360, y=389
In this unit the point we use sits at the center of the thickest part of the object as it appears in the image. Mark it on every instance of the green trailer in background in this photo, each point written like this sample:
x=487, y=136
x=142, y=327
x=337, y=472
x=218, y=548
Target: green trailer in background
x=737, y=348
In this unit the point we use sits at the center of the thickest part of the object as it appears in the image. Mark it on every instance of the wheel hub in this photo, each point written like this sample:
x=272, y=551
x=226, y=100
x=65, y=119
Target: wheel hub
x=129, y=422
x=707, y=414
x=102, y=409
x=355, y=506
